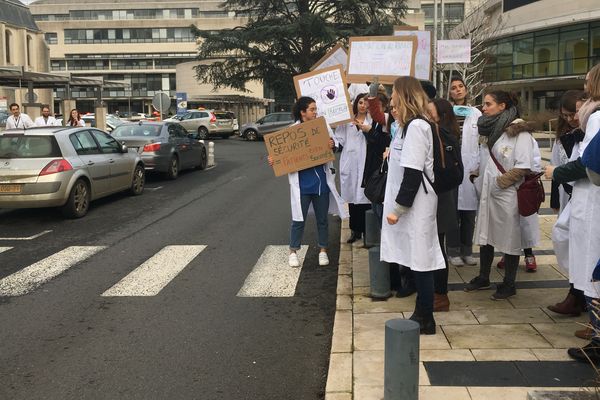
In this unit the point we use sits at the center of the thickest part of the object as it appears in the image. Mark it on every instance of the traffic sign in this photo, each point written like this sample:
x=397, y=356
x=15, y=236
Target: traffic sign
x=161, y=102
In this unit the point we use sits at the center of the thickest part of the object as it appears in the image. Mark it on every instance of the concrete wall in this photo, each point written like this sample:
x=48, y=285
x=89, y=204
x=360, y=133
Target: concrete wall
x=186, y=82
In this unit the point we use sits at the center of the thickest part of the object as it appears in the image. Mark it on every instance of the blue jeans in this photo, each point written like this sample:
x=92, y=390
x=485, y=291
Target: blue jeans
x=321, y=207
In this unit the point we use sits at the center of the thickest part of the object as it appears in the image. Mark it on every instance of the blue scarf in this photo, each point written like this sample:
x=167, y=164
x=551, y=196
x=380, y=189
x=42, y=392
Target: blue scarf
x=394, y=129
x=462, y=111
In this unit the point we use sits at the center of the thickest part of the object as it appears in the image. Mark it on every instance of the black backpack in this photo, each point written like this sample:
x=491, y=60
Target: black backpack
x=448, y=168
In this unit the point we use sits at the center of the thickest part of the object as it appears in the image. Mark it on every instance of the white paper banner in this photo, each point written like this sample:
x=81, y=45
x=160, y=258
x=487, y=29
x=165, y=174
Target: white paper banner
x=454, y=51
x=423, y=58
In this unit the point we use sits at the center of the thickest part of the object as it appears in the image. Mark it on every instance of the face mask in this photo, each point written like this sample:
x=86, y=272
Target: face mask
x=394, y=129
x=462, y=111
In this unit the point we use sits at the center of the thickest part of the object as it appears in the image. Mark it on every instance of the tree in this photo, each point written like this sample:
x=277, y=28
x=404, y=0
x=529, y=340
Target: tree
x=285, y=38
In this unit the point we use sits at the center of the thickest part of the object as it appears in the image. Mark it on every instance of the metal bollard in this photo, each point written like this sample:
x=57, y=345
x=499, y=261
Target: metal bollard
x=372, y=232
x=379, y=274
x=401, y=366
x=211, y=154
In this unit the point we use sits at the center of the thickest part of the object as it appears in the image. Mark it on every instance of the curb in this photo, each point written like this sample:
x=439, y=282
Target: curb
x=340, y=375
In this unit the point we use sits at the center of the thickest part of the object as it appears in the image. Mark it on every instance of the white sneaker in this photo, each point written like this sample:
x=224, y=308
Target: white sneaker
x=323, y=259
x=293, y=260
x=456, y=261
x=470, y=260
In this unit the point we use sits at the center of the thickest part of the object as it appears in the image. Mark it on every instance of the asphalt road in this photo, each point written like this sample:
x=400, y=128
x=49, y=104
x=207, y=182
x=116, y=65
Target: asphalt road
x=194, y=340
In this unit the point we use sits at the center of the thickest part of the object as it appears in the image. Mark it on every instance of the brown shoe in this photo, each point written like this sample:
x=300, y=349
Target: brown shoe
x=568, y=306
x=585, y=333
x=441, y=302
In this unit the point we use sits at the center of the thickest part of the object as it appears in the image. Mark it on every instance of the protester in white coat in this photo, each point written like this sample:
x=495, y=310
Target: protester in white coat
x=584, y=229
x=46, y=119
x=498, y=223
x=460, y=241
x=312, y=187
x=350, y=137
x=409, y=232
x=75, y=118
x=18, y=119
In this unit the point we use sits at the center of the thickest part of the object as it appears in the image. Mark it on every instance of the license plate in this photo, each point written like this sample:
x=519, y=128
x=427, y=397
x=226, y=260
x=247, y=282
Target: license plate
x=10, y=188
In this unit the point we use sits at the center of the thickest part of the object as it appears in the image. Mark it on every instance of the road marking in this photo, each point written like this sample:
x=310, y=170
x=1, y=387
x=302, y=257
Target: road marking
x=153, y=275
x=153, y=189
x=35, y=275
x=272, y=276
x=26, y=238
x=3, y=249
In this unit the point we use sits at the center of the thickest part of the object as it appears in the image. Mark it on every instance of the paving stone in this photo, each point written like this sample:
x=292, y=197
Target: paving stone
x=342, y=332
x=338, y=396
x=339, y=378
x=551, y=354
x=446, y=355
x=345, y=257
x=544, y=273
x=561, y=335
x=365, y=304
x=454, y=276
x=368, y=392
x=475, y=300
x=443, y=392
x=345, y=269
x=529, y=298
x=467, y=273
x=344, y=285
x=511, y=316
x=562, y=395
x=504, y=355
x=368, y=368
x=515, y=336
x=461, y=317
x=498, y=393
x=343, y=302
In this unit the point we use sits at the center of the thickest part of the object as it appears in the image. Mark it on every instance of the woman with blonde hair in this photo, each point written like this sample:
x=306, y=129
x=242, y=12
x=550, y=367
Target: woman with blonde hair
x=409, y=234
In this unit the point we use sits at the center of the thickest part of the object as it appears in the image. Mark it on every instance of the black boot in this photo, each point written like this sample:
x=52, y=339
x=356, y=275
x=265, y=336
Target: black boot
x=407, y=286
x=354, y=236
x=425, y=320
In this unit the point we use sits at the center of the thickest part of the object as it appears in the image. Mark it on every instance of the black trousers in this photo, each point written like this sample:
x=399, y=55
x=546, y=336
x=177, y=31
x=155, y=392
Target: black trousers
x=357, y=216
x=440, y=276
x=511, y=264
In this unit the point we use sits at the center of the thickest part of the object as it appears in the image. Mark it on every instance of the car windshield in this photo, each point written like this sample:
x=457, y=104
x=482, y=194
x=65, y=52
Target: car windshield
x=124, y=131
x=222, y=115
x=21, y=146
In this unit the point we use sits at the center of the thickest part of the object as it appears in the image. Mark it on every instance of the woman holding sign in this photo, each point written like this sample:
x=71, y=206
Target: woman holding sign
x=409, y=233
x=352, y=162
x=312, y=186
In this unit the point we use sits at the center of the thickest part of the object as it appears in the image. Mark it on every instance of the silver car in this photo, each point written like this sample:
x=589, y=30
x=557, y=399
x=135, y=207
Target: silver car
x=65, y=167
x=204, y=124
x=164, y=146
x=267, y=124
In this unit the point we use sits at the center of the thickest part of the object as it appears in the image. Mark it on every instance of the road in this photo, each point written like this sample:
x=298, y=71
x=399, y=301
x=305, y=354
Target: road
x=93, y=331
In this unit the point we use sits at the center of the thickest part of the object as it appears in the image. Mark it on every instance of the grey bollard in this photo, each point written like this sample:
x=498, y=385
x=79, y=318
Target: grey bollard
x=372, y=232
x=401, y=366
x=379, y=274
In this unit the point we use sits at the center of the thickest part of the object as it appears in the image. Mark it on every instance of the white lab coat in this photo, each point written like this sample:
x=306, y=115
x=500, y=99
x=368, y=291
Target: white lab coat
x=469, y=150
x=559, y=157
x=413, y=240
x=51, y=121
x=336, y=204
x=584, y=229
x=79, y=123
x=530, y=226
x=352, y=162
x=498, y=222
x=22, y=121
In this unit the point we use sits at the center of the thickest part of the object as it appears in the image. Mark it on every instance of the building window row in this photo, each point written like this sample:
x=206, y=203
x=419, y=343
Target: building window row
x=142, y=85
x=104, y=15
x=105, y=64
x=131, y=35
x=51, y=37
x=131, y=55
x=571, y=50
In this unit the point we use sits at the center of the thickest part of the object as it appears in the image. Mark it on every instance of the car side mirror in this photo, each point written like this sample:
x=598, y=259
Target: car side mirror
x=124, y=148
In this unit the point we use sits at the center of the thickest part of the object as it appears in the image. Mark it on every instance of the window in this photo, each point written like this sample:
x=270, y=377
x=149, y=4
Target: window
x=574, y=52
x=545, y=55
x=270, y=118
x=51, y=37
x=8, y=41
x=29, y=147
x=107, y=143
x=29, y=50
x=285, y=117
x=84, y=143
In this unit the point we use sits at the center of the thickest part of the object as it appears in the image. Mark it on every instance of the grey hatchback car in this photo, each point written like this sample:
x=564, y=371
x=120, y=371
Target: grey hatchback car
x=164, y=146
x=267, y=124
x=65, y=167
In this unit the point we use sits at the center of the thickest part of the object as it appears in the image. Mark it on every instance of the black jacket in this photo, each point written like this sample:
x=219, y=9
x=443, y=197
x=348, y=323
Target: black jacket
x=377, y=142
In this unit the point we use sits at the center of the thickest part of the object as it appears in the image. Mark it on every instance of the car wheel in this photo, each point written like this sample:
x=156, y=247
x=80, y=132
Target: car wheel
x=203, y=160
x=78, y=202
x=251, y=135
x=173, y=171
x=202, y=133
x=138, y=181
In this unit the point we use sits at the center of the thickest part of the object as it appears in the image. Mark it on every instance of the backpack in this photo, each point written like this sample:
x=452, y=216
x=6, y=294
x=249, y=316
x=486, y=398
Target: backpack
x=448, y=169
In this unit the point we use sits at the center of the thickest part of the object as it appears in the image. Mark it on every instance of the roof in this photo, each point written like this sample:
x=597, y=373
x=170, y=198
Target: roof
x=15, y=13
x=18, y=77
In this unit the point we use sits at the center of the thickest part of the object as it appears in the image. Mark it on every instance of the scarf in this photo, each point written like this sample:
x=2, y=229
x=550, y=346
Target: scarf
x=493, y=126
x=586, y=110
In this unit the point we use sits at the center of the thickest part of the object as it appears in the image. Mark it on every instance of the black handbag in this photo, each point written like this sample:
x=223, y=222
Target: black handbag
x=375, y=187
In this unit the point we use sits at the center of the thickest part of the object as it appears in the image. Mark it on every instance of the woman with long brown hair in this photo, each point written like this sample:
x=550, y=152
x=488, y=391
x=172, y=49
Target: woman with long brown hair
x=75, y=118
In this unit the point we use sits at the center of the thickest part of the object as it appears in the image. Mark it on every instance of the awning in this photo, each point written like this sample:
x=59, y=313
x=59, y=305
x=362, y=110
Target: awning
x=19, y=78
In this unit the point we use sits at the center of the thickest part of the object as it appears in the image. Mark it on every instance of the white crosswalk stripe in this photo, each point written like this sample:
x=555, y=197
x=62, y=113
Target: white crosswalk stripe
x=272, y=276
x=3, y=249
x=154, y=274
x=35, y=275
x=26, y=237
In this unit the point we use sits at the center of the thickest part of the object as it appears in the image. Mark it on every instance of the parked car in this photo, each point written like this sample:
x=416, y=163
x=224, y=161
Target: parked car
x=163, y=146
x=267, y=124
x=65, y=167
x=112, y=121
x=3, y=118
x=206, y=123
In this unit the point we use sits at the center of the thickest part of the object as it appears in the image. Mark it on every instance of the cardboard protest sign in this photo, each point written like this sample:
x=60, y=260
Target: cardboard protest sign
x=386, y=57
x=454, y=51
x=336, y=56
x=300, y=146
x=423, y=57
x=329, y=89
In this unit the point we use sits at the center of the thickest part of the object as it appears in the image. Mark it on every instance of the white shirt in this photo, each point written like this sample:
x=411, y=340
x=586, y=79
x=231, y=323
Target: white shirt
x=51, y=121
x=22, y=121
x=79, y=123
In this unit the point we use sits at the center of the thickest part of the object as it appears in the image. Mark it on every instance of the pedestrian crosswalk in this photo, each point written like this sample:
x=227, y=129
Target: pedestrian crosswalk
x=271, y=275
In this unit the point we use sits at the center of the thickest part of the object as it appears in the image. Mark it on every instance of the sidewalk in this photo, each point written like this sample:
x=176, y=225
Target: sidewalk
x=483, y=349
